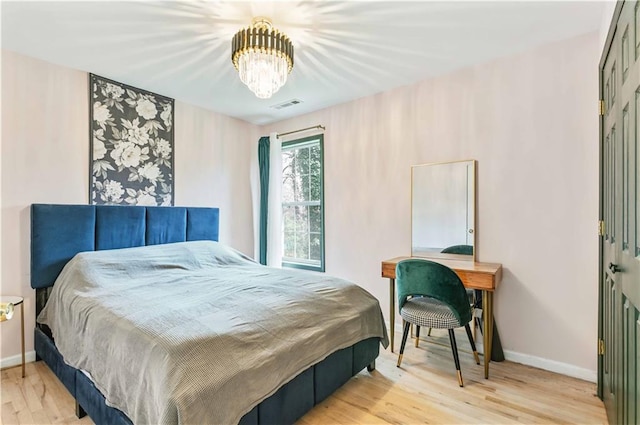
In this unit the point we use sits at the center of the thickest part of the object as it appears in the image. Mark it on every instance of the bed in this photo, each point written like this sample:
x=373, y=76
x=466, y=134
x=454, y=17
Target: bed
x=267, y=386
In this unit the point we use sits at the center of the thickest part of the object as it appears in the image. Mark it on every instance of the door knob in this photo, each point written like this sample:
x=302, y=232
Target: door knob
x=614, y=268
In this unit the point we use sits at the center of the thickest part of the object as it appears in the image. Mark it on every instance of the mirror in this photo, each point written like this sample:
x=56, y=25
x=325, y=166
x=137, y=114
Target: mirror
x=443, y=210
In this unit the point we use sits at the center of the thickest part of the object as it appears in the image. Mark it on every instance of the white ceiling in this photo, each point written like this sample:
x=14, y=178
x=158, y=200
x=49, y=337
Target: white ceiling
x=343, y=49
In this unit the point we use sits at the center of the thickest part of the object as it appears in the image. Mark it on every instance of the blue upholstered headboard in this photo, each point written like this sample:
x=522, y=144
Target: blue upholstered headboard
x=58, y=232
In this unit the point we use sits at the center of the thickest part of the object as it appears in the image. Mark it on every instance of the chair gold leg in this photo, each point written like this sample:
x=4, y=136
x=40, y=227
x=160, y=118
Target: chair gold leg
x=405, y=334
x=454, y=350
x=476, y=357
x=417, y=335
x=429, y=333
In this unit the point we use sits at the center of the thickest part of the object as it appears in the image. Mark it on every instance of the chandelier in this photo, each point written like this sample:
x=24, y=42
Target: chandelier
x=263, y=57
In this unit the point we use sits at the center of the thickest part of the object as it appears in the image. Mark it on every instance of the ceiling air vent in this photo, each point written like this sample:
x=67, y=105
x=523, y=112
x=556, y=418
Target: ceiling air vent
x=286, y=104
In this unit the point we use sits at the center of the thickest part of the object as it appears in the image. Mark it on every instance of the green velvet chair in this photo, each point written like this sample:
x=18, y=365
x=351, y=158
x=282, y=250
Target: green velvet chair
x=475, y=296
x=431, y=294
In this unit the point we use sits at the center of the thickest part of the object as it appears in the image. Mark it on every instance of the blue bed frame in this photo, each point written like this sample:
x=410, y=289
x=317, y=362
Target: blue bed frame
x=58, y=232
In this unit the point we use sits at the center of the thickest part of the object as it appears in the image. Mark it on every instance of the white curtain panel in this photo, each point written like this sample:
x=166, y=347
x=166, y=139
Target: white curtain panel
x=254, y=178
x=274, y=216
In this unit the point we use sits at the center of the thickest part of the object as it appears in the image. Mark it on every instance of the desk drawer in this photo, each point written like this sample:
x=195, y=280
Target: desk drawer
x=389, y=270
x=482, y=281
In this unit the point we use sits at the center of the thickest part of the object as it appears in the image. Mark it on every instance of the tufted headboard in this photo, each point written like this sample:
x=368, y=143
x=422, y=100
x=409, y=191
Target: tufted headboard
x=58, y=232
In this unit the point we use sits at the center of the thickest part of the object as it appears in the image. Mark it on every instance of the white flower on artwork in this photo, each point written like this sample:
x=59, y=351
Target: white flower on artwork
x=138, y=136
x=150, y=172
x=99, y=150
x=162, y=149
x=101, y=113
x=134, y=133
x=112, y=91
x=146, y=109
x=146, y=200
x=113, y=191
x=166, y=200
x=126, y=154
x=166, y=115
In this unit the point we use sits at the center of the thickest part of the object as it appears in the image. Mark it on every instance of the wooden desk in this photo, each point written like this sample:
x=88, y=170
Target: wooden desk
x=474, y=275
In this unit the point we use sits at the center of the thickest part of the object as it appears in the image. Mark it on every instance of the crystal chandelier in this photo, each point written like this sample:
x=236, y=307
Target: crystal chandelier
x=263, y=57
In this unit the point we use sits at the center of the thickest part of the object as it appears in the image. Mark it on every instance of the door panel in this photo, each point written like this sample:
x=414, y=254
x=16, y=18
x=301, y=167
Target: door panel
x=609, y=371
x=630, y=319
x=620, y=245
x=626, y=205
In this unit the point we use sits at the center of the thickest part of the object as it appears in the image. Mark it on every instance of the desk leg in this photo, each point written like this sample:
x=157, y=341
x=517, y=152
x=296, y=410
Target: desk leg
x=487, y=311
x=22, y=333
x=392, y=310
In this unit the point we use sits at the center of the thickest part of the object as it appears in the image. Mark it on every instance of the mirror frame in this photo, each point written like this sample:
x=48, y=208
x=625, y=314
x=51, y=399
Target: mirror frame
x=460, y=257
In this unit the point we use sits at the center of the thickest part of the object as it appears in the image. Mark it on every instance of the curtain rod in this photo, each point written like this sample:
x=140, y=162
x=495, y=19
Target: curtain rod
x=302, y=129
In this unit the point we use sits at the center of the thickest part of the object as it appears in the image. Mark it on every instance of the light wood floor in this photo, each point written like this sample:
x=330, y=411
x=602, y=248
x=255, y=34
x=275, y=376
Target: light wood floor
x=424, y=390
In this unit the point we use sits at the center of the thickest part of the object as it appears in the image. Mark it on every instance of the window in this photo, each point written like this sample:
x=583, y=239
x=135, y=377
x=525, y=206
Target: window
x=303, y=203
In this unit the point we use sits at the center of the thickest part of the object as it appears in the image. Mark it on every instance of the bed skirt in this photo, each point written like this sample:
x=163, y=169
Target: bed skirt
x=287, y=405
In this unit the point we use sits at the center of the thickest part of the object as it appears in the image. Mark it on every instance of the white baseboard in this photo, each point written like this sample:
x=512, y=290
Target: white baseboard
x=534, y=361
x=547, y=364
x=552, y=366
x=29, y=356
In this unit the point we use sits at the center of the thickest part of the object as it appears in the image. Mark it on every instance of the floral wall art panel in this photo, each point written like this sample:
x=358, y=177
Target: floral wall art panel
x=131, y=145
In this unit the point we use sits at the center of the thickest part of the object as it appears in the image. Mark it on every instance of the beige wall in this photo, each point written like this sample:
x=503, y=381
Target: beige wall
x=530, y=121
x=212, y=169
x=45, y=158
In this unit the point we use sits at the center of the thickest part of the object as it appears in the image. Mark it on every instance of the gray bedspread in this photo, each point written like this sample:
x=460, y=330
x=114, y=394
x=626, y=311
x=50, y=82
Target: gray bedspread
x=195, y=332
